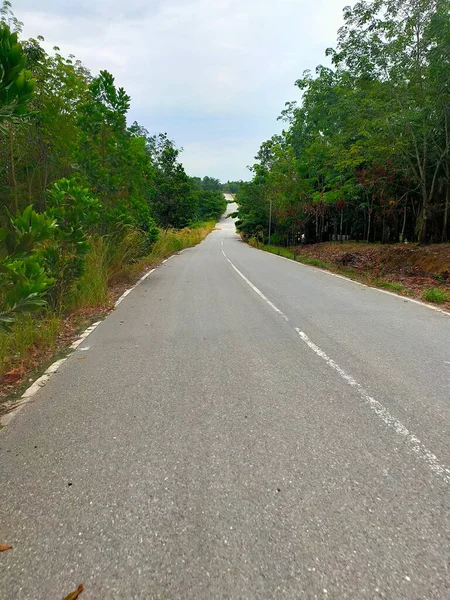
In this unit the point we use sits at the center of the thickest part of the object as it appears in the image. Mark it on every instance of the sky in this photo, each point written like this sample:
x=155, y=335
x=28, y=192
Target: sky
x=213, y=74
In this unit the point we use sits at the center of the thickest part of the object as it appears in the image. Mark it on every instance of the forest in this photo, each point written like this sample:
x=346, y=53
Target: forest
x=365, y=154
x=83, y=195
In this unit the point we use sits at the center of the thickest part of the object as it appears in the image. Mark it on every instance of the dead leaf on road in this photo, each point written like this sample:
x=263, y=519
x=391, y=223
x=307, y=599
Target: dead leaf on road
x=75, y=594
x=4, y=547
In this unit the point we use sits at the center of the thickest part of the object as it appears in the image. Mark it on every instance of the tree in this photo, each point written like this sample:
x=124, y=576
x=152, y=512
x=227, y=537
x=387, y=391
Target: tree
x=367, y=149
x=172, y=199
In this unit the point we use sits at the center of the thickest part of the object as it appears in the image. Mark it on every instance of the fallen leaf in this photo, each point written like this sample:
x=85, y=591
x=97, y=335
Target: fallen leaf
x=4, y=547
x=81, y=357
x=14, y=375
x=75, y=594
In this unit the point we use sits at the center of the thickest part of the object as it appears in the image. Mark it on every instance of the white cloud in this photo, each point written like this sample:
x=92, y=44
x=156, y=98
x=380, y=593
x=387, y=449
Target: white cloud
x=214, y=74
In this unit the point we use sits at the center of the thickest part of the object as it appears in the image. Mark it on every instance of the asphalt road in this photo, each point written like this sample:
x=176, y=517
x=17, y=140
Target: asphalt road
x=241, y=426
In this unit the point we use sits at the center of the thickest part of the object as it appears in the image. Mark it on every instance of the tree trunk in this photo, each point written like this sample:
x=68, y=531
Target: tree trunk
x=13, y=170
x=424, y=228
x=446, y=210
x=404, y=222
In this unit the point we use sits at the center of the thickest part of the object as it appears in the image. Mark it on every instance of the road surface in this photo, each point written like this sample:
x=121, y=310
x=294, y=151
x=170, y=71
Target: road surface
x=241, y=426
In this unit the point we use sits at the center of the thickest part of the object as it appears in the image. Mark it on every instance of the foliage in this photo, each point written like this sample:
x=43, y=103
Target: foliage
x=211, y=205
x=74, y=211
x=16, y=82
x=172, y=199
x=23, y=279
x=367, y=152
x=436, y=295
x=231, y=187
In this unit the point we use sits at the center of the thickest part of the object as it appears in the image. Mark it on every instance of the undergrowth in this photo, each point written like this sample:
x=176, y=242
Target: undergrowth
x=435, y=295
x=28, y=337
x=389, y=285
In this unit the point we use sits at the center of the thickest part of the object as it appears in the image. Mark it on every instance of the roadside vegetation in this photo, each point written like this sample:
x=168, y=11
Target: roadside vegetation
x=87, y=201
x=365, y=155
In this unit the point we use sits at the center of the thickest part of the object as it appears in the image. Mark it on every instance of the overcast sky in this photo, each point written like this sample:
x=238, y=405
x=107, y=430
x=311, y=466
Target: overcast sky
x=213, y=74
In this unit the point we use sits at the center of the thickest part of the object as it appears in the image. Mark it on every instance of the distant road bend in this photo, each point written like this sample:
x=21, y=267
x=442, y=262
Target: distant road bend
x=241, y=426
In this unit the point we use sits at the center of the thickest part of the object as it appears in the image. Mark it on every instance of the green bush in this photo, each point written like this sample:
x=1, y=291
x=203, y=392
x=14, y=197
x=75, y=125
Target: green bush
x=75, y=212
x=132, y=213
x=436, y=295
x=23, y=279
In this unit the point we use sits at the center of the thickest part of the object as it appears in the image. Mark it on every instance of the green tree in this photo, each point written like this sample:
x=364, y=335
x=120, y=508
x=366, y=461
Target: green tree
x=172, y=202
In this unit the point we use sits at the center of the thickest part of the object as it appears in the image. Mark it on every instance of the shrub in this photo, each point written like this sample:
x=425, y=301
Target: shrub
x=23, y=279
x=436, y=295
x=132, y=213
x=74, y=211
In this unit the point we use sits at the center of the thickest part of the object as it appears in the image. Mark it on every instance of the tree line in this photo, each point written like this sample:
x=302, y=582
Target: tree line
x=72, y=169
x=365, y=154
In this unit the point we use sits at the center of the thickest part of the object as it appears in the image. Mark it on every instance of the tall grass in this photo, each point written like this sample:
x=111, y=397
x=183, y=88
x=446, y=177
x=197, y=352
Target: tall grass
x=174, y=240
x=91, y=289
x=28, y=336
x=106, y=262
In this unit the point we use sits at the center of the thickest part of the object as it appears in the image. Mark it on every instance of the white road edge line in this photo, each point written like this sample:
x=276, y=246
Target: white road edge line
x=53, y=368
x=126, y=292
x=411, y=441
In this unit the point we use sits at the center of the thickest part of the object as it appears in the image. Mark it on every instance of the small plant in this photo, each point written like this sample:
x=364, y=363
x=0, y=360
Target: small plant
x=388, y=285
x=436, y=295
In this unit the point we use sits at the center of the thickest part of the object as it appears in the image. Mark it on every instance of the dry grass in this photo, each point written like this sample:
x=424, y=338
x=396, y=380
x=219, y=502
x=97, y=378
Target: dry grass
x=20, y=348
x=169, y=242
